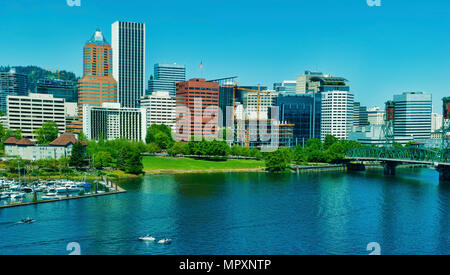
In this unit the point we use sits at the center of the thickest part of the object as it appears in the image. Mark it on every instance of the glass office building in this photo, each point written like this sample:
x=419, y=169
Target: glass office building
x=165, y=78
x=12, y=83
x=58, y=88
x=412, y=117
x=304, y=111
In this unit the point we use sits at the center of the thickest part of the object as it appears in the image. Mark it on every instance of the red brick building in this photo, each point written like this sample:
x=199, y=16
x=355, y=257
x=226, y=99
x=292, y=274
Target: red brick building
x=197, y=109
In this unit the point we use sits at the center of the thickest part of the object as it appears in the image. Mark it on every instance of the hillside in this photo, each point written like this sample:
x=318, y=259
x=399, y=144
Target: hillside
x=35, y=73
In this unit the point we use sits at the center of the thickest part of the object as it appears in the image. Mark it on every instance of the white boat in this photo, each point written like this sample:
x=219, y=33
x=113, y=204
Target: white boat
x=61, y=189
x=51, y=196
x=15, y=187
x=147, y=238
x=72, y=188
x=17, y=195
x=165, y=241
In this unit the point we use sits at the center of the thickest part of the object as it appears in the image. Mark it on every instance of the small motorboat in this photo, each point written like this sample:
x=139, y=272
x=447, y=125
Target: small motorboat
x=51, y=195
x=27, y=189
x=165, y=241
x=147, y=238
x=17, y=195
x=27, y=220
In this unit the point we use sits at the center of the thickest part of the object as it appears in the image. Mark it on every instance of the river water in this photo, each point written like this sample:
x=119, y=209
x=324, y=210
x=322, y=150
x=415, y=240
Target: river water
x=245, y=213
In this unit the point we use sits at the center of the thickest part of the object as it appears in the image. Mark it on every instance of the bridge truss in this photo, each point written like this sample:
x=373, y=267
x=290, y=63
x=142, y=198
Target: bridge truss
x=400, y=154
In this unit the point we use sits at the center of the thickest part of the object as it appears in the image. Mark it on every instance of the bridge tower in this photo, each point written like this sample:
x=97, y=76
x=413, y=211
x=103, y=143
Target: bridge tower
x=388, y=128
x=446, y=124
x=444, y=170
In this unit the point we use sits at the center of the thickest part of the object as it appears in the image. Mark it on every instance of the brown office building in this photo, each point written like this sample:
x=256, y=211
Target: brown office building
x=97, y=85
x=197, y=109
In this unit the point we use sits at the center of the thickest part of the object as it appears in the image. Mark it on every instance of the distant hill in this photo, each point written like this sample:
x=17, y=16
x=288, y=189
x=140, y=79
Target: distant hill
x=35, y=73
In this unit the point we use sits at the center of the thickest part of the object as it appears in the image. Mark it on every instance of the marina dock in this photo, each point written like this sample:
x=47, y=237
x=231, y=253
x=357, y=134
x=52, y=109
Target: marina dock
x=113, y=189
x=62, y=199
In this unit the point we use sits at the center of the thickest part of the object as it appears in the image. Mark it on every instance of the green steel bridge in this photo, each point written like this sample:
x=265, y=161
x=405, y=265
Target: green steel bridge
x=404, y=155
x=392, y=157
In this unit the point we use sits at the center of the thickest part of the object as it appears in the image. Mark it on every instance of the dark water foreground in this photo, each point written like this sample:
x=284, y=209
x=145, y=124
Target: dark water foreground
x=254, y=213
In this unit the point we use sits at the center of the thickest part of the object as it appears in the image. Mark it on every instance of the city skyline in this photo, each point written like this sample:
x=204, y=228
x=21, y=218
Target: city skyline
x=373, y=47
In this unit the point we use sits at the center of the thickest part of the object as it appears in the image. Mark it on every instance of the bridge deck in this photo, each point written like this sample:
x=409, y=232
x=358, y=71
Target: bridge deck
x=398, y=160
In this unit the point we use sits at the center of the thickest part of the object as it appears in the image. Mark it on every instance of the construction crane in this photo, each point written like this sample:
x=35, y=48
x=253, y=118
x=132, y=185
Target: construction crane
x=258, y=107
x=258, y=102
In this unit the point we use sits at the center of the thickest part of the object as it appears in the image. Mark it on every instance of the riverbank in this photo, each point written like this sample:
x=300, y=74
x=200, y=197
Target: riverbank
x=167, y=165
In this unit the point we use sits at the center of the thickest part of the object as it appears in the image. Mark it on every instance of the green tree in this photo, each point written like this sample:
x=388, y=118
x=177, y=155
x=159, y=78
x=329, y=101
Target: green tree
x=162, y=140
x=329, y=141
x=398, y=145
x=102, y=159
x=335, y=153
x=300, y=155
x=317, y=156
x=179, y=148
x=77, y=156
x=133, y=163
x=255, y=153
x=153, y=148
x=279, y=160
x=314, y=144
x=47, y=133
x=154, y=129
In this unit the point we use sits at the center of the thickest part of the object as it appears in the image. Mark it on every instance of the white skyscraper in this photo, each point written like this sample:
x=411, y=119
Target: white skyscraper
x=412, y=116
x=128, y=44
x=337, y=114
x=161, y=109
x=112, y=122
x=436, y=122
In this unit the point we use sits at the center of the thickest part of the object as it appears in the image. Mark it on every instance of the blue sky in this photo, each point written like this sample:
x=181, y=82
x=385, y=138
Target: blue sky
x=401, y=46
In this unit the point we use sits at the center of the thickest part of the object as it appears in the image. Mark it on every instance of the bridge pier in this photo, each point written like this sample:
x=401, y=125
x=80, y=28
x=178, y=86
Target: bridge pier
x=444, y=173
x=389, y=168
x=356, y=167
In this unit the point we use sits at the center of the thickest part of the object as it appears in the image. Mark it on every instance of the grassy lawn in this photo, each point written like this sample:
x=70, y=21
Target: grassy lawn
x=156, y=163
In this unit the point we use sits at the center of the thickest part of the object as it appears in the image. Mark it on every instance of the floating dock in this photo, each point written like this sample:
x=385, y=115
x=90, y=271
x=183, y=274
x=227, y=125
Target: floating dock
x=118, y=190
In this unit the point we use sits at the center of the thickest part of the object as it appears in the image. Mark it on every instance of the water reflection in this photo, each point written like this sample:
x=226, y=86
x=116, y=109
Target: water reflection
x=246, y=213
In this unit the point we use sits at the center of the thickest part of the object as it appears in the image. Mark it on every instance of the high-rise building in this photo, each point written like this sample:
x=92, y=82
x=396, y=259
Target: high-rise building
x=308, y=83
x=412, y=117
x=58, y=88
x=360, y=115
x=111, y=121
x=165, y=78
x=287, y=87
x=197, y=109
x=161, y=109
x=97, y=85
x=128, y=43
x=436, y=122
x=304, y=112
x=28, y=113
x=337, y=114
x=337, y=102
x=375, y=116
x=250, y=105
x=12, y=83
